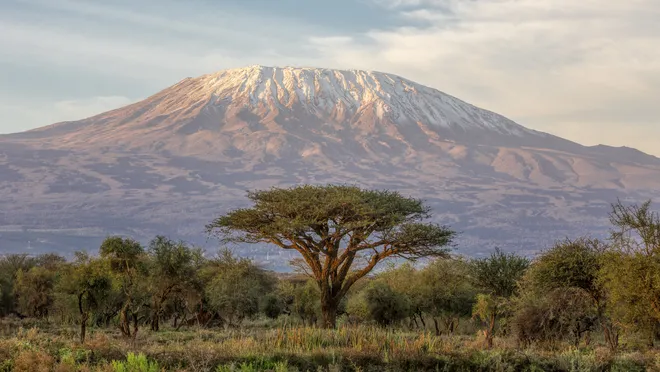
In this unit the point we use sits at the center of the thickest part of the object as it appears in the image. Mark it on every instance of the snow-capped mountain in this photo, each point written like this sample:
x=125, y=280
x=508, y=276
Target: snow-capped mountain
x=186, y=154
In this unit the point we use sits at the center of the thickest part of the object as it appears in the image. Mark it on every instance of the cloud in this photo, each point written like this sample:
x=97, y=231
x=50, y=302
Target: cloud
x=16, y=113
x=107, y=55
x=80, y=109
x=528, y=59
x=149, y=40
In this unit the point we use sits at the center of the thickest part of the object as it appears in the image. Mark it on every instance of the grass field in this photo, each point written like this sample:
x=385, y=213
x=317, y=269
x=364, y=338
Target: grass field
x=30, y=346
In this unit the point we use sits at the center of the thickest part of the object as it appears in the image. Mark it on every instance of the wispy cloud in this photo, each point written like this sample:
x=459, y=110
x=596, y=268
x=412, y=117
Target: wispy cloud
x=534, y=60
x=58, y=111
x=148, y=45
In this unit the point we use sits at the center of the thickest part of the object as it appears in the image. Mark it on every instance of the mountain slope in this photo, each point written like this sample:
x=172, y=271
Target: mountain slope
x=186, y=154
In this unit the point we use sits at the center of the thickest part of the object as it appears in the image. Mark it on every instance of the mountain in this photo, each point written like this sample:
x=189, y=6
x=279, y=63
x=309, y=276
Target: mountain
x=172, y=162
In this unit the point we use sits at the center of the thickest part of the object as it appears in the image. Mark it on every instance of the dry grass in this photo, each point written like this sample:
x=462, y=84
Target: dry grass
x=348, y=348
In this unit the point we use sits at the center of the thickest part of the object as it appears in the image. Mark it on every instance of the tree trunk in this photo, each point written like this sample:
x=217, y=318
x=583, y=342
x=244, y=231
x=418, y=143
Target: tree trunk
x=651, y=340
x=489, y=331
x=135, y=327
x=124, y=324
x=421, y=318
x=329, y=312
x=157, y=306
x=155, y=326
x=83, y=327
x=84, y=315
x=611, y=336
x=437, y=329
x=609, y=330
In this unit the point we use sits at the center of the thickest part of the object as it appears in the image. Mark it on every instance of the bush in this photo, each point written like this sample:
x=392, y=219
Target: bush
x=385, y=306
x=562, y=313
x=135, y=363
x=33, y=361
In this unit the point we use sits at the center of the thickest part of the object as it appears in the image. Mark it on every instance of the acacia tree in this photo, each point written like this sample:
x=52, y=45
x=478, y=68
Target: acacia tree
x=341, y=232
x=498, y=277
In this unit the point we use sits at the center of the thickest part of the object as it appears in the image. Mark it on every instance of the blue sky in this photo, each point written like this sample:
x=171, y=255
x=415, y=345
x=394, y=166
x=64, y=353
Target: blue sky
x=586, y=70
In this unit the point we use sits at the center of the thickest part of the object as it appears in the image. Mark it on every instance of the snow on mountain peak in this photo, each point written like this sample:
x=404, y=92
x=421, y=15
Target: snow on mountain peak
x=350, y=92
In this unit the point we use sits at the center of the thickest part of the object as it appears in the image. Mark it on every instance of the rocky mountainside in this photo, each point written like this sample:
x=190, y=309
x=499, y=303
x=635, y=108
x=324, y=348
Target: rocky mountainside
x=172, y=162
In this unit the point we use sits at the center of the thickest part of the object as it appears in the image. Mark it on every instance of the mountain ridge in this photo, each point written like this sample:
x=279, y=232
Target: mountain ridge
x=176, y=159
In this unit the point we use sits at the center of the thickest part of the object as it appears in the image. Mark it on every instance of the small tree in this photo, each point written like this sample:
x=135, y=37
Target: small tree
x=10, y=265
x=630, y=270
x=384, y=305
x=172, y=268
x=446, y=292
x=333, y=228
x=237, y=287
x=34, y=291
x=127, y=261
x=553, y=315
x=90, y=281
x=498, y=277
x=406, y=280
x=574, y=265
x=306, y=302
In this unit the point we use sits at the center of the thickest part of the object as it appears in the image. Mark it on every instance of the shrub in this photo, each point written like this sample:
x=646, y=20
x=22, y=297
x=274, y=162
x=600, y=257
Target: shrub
x=135, y=363
x=385, y=306
x=33, y=361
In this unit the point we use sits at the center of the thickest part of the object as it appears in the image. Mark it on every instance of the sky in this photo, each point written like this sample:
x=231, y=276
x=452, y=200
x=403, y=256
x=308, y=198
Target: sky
x=586, y=70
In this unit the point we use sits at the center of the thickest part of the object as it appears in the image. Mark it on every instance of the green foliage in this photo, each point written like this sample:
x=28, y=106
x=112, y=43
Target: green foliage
x=384, y=305
x=570, y=264
x=135, y=363
x=172, y=268
x=307, y=302
x=34, y=291
x=632, y=282
x=357, y=308
x=378, y=303
x=630, y=271
x=236, y=287
x=446, y=290
x=264, y=365
x=128, y=261
x=486, y=306
x=10, y=265
x=555, y=316
x=271, y=306
x=499, y=274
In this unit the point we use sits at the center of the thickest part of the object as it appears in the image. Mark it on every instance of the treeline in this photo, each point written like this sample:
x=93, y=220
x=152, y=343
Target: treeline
x=577, y=291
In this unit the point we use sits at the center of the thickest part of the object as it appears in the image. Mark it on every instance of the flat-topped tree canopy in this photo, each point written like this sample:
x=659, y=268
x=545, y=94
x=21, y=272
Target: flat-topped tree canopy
x=334, y=227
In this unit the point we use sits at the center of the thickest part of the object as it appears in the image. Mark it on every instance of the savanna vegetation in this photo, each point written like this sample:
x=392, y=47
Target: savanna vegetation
x=376, y=287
